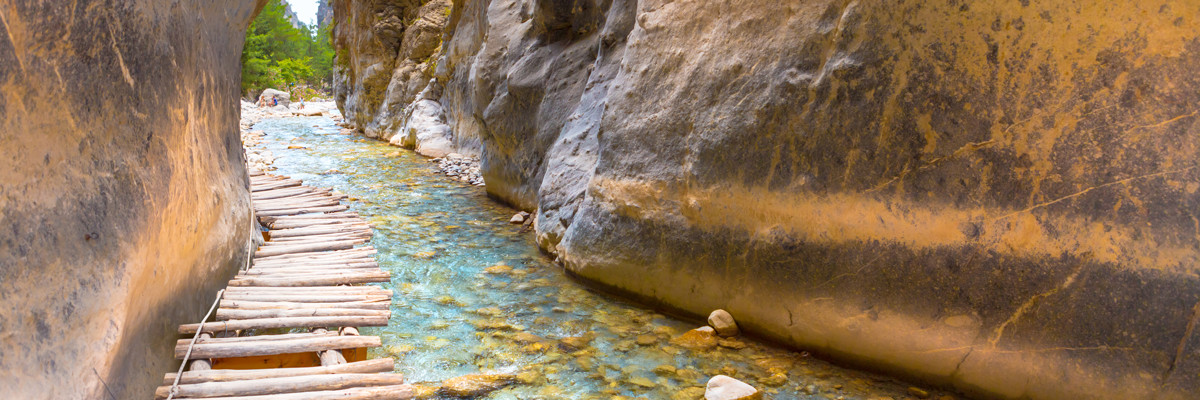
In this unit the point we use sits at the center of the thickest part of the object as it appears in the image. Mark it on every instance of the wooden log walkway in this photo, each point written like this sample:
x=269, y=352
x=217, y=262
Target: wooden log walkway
x=302, y=295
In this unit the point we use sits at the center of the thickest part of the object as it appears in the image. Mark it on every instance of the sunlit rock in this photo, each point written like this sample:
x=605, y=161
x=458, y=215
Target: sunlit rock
x=722, y=387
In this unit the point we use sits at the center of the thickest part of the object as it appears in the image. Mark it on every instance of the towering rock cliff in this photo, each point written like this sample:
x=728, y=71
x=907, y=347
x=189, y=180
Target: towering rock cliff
x=123, y=200
x=1000, y=197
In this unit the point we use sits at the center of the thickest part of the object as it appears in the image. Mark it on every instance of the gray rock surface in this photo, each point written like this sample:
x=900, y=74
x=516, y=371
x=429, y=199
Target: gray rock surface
x=998, y=197
x=123, y=192
x=272, y=97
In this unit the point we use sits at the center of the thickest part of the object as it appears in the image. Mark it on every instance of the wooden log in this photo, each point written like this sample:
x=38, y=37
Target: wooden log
x=310, y=290
x=329, y=265
x=367, y=272
x=358, y=252
x=286, y=193
x=303, y=298
x=336, y=255
x=290, y=322
x=359, y=239
x=332, y=215
x=264, y=206
x=248, y=339
x=309, y=222
x=393, y=392
x=304, y=248
x=294, y=203
x=302, y=210
x=274, y=185
x=270, y=272
x=289, y=384
x=288, y=271
x=213, y=349
x=360, y=232
x=312, y=281
x=362, y=262
x=234, y=314
x=319, y=230
x=381, y=304
x=228, y=375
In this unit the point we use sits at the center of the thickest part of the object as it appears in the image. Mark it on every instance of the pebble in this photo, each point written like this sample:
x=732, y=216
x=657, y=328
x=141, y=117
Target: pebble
x=476, y=384
x=722, y=387
x=918, y=392
x=646, y=340
x=702, y=338
x=723, y=323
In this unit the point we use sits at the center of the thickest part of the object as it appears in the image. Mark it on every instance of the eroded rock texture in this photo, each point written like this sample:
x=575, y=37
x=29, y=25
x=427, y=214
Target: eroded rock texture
x=123, y=200
x=998, y=196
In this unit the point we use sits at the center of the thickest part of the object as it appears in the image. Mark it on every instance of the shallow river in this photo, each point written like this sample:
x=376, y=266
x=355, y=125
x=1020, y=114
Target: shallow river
x=450, y=317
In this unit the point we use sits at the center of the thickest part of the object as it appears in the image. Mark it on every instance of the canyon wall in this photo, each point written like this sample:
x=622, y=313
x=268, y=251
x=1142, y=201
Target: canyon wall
x=123, y=195
x=998, y=197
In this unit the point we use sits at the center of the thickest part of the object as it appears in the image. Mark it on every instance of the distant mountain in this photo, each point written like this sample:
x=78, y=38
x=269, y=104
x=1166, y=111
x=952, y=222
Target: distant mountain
x=291, y=15
x=324, y=14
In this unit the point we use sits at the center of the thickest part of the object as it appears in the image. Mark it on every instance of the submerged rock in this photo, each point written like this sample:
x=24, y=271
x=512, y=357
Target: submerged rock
x=475, y=384
x=722, y=387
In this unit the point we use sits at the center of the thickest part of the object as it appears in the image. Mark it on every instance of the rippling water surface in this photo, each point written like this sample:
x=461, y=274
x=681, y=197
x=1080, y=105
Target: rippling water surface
x=452, y=316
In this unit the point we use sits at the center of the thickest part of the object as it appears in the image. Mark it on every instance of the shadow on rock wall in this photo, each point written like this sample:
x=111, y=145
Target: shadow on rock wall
x=123, y=199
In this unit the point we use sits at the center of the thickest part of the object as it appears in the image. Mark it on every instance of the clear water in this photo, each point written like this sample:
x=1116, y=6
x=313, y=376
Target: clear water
x=450, y=317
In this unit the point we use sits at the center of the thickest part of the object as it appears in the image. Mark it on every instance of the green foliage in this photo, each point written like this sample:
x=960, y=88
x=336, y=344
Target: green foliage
x=279, y=55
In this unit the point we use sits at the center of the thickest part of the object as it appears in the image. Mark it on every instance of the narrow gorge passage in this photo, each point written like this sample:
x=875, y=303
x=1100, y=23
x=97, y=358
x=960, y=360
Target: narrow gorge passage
x=474, y=294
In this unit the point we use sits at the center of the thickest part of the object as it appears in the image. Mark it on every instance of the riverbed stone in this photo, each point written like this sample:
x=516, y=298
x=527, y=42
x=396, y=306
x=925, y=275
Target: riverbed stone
x=702, y=338
x=723, y=323
x=646, y=340
x=475, y=384
x=722, y=387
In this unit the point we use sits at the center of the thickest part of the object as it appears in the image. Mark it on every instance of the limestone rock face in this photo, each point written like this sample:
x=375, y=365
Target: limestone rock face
x=996, y=196
x=385, y=57
x=123, y=193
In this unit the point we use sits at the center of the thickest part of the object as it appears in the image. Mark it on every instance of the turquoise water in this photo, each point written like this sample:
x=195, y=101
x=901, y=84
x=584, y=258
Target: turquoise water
x=450, y=317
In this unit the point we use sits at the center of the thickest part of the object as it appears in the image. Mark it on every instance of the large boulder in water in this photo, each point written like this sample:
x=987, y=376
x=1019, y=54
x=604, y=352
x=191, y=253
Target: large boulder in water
x=123, y=199
x=272, y=97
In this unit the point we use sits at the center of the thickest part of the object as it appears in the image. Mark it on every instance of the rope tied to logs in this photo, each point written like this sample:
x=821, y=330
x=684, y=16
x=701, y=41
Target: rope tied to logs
x=187, y=357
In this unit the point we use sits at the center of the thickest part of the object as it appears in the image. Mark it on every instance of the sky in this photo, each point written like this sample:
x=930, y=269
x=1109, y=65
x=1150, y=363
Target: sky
x=305, y=9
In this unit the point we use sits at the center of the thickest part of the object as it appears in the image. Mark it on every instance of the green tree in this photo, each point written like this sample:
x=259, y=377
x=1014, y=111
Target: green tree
x=280, y=55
